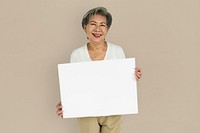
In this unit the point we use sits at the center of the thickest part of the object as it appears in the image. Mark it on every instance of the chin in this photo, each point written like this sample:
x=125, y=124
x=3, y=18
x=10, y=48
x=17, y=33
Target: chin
x=97, y=40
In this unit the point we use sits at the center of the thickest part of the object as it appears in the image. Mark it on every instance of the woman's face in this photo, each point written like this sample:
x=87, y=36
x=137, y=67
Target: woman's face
x=96, y=29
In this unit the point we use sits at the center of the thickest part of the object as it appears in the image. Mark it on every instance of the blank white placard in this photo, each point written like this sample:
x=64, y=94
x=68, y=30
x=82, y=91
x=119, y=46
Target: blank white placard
x=98, y=88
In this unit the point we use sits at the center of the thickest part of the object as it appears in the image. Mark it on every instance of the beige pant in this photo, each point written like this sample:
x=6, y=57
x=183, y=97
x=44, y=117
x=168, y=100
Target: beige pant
x=105, y=124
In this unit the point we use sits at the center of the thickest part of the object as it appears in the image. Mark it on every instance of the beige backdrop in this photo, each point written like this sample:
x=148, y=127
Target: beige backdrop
x=163, y=35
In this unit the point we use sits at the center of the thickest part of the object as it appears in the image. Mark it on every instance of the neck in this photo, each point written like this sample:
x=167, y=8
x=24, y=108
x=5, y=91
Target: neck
x=96, y=46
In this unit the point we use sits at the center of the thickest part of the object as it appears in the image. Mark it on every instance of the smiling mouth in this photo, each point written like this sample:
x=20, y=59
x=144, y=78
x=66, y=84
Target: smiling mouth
x=96, y=35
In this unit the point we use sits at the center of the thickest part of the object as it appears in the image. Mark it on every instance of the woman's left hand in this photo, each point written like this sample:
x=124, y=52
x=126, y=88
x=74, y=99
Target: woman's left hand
x=138, y=73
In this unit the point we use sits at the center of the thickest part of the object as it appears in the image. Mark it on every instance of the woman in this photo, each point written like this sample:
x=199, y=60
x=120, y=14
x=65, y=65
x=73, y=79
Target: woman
x=96, y=23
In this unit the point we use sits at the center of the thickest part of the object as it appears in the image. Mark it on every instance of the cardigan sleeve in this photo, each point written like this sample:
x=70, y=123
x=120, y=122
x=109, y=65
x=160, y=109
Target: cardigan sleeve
x=74, y=56
x=120, y=53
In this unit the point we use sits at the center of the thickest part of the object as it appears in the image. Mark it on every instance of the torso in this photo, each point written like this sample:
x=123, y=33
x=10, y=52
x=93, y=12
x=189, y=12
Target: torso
x=83, y=54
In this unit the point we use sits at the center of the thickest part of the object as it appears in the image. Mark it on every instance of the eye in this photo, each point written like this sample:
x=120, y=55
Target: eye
x=92, y=24
x=103, y=26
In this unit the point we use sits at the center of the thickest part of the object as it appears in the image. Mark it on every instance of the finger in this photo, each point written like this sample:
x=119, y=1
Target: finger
x=138, y=69
x=138, y=73
x=138, y=76
x=58, y=106
x=59, y=112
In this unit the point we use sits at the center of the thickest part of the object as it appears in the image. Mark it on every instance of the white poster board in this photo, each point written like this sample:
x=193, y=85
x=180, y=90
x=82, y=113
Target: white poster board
x=98, y=88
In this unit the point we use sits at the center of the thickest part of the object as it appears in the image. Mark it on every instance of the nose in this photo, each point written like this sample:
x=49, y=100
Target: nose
x=97, y=28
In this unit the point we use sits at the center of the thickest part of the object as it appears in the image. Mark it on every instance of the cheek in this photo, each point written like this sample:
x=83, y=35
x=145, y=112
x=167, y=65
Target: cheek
x=87, y=33
x=87, y=30
x=105, y=32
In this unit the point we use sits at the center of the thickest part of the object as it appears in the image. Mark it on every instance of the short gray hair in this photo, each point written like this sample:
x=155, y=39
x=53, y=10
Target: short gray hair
x=97, y=11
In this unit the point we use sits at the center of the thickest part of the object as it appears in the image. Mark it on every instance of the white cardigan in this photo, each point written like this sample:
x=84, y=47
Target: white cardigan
x=81, y=54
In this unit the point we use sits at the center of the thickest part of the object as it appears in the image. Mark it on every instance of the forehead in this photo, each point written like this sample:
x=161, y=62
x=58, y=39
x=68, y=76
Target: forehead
x=97, y=18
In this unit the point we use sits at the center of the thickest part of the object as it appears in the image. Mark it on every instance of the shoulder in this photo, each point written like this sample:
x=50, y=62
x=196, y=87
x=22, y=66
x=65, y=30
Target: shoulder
x=77, y=54
x=114, y=46
x=116, y=50
x=78, y=50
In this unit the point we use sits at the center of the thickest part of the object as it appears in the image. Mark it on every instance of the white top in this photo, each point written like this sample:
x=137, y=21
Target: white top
x=81, y=54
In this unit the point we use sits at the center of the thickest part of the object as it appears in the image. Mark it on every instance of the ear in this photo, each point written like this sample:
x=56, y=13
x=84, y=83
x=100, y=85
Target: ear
x=84, y=28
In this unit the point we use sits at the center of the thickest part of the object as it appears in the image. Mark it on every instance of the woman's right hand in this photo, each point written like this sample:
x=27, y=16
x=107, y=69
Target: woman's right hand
x=59, y=111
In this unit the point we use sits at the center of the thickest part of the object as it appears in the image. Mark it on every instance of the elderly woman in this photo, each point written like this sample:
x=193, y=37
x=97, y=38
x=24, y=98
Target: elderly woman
x=96, y=23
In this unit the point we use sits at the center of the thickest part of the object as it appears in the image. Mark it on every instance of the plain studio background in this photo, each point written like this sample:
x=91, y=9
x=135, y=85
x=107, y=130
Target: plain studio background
x=163, y=35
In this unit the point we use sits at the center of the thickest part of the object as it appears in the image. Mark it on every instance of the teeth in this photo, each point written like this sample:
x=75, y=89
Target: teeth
x=97, y=35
